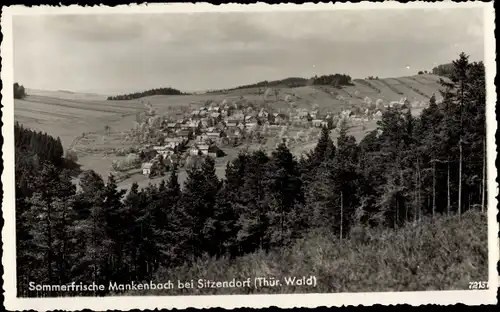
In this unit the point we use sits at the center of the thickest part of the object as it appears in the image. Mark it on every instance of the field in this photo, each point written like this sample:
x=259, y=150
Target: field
x=95, y=127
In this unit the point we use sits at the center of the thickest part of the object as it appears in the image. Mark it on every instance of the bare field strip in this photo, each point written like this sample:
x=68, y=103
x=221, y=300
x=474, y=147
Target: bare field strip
x=414, y=86
x=364, y=88
x=57, y=109
x=84, y=106
x=22, y=118
x=343, y=93
x=422, y=80
x=408, y=90
x=120, y=104
x=368, y=84
x=386, y=93
x=47, y=113
x=431, y=78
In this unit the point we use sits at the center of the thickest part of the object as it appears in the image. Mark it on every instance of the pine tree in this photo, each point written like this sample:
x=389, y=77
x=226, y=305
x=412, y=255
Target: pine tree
x=50, y=219
x=284, y=190
x=251, y=205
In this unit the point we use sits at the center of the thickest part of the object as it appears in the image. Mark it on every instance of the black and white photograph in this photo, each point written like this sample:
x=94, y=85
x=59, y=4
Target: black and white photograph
x=191, y=152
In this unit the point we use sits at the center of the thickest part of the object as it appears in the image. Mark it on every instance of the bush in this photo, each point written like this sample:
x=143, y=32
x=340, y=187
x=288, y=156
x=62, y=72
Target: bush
x=71, y=155
x=441, y=254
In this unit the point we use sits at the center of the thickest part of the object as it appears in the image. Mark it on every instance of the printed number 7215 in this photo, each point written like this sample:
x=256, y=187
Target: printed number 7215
x=478, y=285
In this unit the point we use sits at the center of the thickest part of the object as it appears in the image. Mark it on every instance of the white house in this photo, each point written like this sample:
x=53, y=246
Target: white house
x=317, y=122
x=146, y=168
x=193, y=151
x=251, y=125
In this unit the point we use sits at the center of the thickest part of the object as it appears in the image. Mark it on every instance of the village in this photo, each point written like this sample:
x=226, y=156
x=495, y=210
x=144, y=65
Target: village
x=212, y=129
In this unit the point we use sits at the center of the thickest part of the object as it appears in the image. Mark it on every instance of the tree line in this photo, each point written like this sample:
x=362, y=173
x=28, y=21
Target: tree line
x=444, y=70
x=19, y=91
x=408, y=168
x=138, y=95
x=336, y=80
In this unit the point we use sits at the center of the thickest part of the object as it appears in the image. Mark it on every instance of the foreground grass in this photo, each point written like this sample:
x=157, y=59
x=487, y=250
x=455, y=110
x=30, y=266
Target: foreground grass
x=441, y=254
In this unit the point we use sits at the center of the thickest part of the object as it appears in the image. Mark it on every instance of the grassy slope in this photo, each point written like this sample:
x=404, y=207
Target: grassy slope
x=440, y=254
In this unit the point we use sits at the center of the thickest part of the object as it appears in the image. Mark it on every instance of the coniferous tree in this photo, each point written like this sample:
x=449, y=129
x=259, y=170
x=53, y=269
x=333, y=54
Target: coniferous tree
x=284, y=190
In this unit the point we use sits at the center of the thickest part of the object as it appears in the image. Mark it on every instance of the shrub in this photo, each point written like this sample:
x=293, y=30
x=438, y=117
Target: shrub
x=71, y=155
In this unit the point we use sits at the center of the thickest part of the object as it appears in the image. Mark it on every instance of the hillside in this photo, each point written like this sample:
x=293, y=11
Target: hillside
x=408, y=259
x=417, y=89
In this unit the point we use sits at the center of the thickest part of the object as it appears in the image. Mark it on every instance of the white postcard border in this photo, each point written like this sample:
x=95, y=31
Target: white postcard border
x=468, y=297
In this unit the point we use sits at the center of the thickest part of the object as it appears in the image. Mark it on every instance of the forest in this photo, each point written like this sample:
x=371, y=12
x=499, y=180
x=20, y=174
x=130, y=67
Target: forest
x=443, y=70
x=138, y=95
x=407, y=172
x=336, y=80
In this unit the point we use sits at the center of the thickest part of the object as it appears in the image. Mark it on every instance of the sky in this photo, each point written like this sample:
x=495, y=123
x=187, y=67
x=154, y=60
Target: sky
x=116, y=54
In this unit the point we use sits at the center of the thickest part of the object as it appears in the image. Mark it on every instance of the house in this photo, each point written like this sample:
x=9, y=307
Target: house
x=165, y=151
x=193, y=124
x=231, y=124
x=324, y=124
x=250, y=119
x=199, y=138
x=172, y=125
x=314, y=114
x=250, y=125
x=203, y=148
x=345, y=113
x=193, y=151
x=146, y=168
x=204, y=122
x=238, y=117
x=183, y=133
x=303, y=115
x=220, y=126
x=378, y=114
x=171, y=140
x=158, y=148
x=213, y=134
x=263, y=113
x=232, y=119
x=317, y=122
x=280, y=118
x=173, y=145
